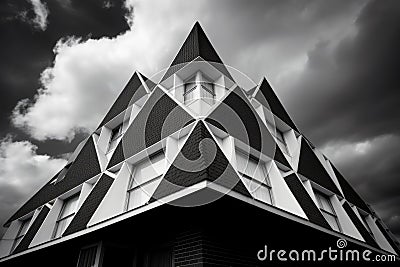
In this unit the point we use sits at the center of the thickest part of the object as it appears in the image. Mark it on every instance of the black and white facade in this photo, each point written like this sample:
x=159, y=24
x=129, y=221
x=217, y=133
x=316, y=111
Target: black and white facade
x=191, y=169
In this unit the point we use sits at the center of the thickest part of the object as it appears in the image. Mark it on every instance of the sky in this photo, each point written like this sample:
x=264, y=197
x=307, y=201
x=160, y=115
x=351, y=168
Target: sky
x=333, y=64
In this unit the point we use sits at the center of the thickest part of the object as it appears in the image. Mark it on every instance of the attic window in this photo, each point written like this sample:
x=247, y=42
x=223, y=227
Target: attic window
x=116, y=135
x=199, y=87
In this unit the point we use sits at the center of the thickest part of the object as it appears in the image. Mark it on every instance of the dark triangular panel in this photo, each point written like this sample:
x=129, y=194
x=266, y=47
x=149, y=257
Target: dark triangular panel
x=212, y=166
x=279, y=157
x=159, y=117
x=307, y=204
x=268, y=98
x=30, y=234
x=349, y=193
x=89, y=206
x=311, y=167
x=196, y=45
x=389, y=236
x=133, y=91
x=358, y=224
x=84, y=167
x=237, y=117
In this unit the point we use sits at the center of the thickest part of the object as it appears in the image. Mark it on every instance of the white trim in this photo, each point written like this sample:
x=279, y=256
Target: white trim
x=185, y=192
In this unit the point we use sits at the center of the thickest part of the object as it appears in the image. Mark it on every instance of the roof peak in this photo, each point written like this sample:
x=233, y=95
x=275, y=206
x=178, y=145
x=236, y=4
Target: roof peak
x=196, y=45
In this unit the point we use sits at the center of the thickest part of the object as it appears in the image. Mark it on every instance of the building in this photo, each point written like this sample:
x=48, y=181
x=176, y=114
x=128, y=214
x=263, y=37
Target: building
x=192, y=170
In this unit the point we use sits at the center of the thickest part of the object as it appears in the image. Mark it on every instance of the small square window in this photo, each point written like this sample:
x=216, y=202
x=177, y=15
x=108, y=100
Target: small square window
x=116, y=135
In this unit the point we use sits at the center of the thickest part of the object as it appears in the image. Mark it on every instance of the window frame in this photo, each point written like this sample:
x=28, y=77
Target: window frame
x=191, y=85
x=26, y=222
x=60, y=214
x=279, y=136
x=132, y=186
x=365, y=223
x=266, y=183
x=116, y=134
x=332, y=213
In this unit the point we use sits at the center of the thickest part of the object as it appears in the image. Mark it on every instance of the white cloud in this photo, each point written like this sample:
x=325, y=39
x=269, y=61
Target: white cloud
x=22, y=172
x=41, y=12
x=86, y=76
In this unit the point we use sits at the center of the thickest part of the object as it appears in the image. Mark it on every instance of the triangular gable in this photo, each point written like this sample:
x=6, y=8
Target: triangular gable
x=196, y=45
x=85, y=166
x=133, y=91
x=159, y=117
x=312, y=168
x=266, y=96
x=237, y=117
x=199, y=161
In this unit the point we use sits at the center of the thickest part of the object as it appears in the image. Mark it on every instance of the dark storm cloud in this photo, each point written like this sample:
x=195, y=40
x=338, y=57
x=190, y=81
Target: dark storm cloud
x=26, y=51
x=373, y=168
x=248, y=31
x=351, y=89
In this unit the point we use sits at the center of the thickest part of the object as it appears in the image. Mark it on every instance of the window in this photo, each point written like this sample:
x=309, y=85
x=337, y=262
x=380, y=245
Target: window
x=278, y=134
x=207, y=92
x=194, y=84
x=145, y=179
x=364, y=221
x=190, y=87
x=21, y=232
x=66, y=215
x=255, y=177
x=116, y=135
x=89, y=257
x=327, y=210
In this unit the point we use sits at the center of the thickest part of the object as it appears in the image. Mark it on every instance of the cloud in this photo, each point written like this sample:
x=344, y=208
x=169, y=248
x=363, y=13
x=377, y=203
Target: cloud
x=41, y=12
x=87, y=75
x=350, y=86
x=22, y=172
x=372, y=167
